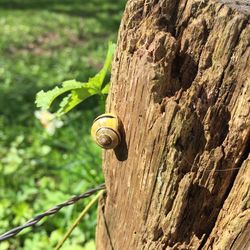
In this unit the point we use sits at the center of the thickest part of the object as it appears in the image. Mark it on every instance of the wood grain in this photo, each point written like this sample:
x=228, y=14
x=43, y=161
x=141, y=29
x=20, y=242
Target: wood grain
x=181, y=87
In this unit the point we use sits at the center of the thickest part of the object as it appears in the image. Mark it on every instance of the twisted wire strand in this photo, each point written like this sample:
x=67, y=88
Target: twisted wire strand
x=51, y=211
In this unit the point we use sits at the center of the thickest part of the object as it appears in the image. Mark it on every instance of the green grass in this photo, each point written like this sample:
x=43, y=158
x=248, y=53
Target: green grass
x=41, y=44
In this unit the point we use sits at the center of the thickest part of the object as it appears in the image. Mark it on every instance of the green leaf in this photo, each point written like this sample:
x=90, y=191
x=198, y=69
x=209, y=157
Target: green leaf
x=105, y=90
x=72, y=100
x=98, y=79
x=78, y=91
x=45, y=99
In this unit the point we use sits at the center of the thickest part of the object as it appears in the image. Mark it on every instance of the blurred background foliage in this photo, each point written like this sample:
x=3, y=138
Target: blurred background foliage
x=41, y=44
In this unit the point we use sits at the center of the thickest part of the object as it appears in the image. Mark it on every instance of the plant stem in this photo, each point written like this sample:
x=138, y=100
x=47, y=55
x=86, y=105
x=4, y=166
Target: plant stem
x=77, y=221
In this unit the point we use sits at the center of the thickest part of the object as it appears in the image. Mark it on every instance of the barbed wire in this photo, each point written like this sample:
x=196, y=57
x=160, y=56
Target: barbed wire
x=51, y=211
x=32, y=222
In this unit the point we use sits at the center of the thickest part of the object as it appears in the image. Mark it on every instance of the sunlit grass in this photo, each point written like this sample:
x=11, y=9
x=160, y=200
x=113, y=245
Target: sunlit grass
x=43, y=43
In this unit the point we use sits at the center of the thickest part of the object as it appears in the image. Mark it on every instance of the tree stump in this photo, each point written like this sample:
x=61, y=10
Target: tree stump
x=181, y=87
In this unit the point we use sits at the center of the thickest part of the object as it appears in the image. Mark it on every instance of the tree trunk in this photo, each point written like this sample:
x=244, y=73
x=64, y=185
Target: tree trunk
x=181, y=87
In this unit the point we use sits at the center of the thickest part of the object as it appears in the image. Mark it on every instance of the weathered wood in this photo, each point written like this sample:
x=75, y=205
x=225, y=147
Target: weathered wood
x=181, y=86
x=232, y=228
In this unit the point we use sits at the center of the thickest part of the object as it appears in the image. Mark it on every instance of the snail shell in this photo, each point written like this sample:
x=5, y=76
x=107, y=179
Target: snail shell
x=105, y=131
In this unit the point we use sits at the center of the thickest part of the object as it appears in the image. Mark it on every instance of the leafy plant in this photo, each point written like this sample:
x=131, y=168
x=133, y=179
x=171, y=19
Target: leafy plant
x=79, y=91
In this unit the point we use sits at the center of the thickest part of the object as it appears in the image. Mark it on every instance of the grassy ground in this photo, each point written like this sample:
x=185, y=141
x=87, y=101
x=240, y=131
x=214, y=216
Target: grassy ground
x=43, y=43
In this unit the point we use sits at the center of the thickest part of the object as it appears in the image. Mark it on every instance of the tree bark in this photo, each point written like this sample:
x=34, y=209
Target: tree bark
x=181, y=86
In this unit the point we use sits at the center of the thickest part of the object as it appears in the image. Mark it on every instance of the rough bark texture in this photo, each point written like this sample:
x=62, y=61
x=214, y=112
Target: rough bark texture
x=181, y=86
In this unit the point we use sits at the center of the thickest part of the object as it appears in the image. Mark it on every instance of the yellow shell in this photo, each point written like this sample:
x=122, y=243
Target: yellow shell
x=105, y=131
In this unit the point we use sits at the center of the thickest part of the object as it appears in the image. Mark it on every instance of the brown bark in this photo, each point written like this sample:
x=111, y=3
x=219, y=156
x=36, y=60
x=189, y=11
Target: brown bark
x=181, y=86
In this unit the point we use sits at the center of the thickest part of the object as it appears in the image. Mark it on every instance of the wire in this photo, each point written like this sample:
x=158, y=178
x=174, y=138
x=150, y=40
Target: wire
x=32, y=222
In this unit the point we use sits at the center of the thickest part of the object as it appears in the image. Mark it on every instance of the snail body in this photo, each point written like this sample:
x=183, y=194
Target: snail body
x=105, y=131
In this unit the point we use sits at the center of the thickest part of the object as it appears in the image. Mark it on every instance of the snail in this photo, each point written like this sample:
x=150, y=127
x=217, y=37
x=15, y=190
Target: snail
x=105, y=131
